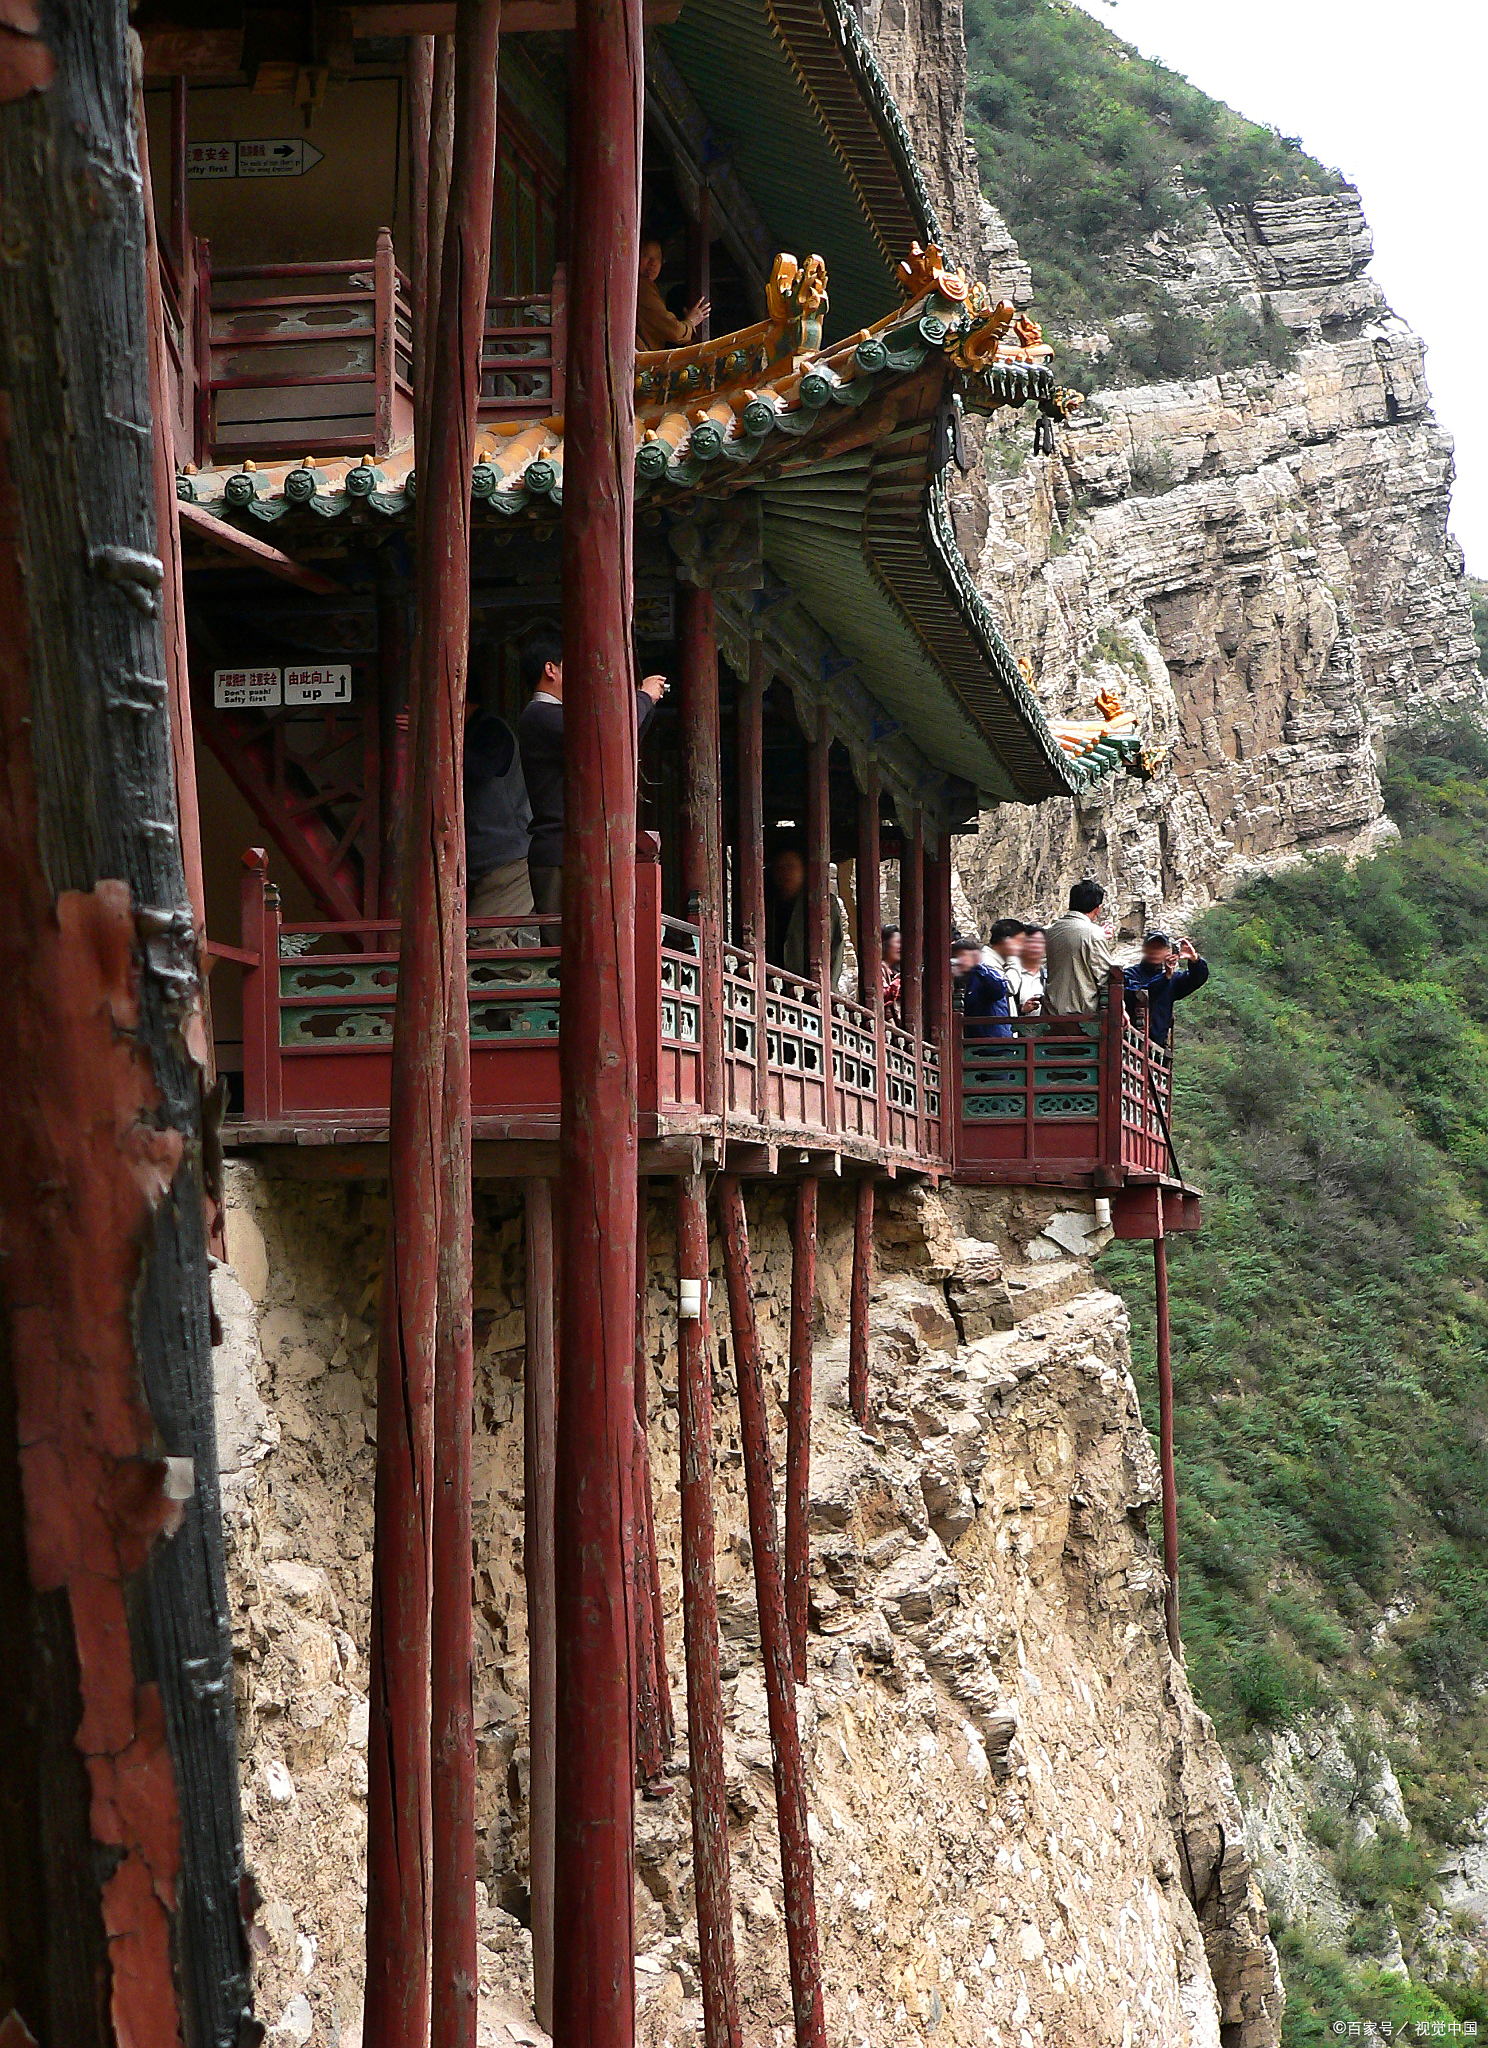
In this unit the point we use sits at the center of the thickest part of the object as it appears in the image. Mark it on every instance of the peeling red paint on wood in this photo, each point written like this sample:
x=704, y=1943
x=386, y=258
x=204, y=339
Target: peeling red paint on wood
x=780, y=1689
x=83, y=1163
x=594, y=1980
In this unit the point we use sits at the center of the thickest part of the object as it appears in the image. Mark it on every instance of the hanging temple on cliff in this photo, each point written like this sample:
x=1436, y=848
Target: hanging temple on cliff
x=311, y=428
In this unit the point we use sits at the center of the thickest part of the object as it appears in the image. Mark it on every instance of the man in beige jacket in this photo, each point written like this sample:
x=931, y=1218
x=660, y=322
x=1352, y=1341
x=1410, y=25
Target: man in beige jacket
x=1079, y=960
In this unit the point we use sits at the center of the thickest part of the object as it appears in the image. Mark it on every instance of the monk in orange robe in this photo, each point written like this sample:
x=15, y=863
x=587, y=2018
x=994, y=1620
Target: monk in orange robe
x=657, y=326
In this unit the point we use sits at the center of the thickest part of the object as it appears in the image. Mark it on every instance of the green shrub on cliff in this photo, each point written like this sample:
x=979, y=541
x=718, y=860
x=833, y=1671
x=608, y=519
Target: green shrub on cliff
x=1089, y=150
x=1330, y=1324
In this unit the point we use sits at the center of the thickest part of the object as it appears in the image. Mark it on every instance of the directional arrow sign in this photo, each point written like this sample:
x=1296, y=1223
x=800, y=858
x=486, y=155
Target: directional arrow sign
x=288, y=157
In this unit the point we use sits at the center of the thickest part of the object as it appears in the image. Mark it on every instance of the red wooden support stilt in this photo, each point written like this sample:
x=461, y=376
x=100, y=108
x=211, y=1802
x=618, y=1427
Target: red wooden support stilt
x=780, y=1687
x=702, y=852
x=653, y=1694
x=1165, y=1437
x=798, y=1424
x=912, y=950
x=862, y=1276
x=594, y=1976
x=937, y=993
x=393, y=656
x=668, y=1725
x=710, y=1842
x=539, y=1420
x=420, y=1887
x=819, y=893
x=752, y=850
x=870, y=935
x=454, y=389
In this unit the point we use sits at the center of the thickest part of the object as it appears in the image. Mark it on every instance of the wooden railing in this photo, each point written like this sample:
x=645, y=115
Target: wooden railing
x=318, y=1004
x=1078, y=1095
x=305, y=358
x=522, y=354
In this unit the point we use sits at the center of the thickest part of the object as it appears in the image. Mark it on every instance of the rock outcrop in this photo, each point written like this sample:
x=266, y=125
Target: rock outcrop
x=1259, y=562
x=1023, y=1828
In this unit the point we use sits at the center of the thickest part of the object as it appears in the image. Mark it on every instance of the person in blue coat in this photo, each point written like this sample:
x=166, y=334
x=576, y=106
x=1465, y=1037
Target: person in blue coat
x=984, y=996
x=1165, y=974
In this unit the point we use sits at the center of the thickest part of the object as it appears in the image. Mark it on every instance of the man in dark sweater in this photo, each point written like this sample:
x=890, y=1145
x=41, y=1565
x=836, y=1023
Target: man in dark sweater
x=540, y=737
x=1164, y=975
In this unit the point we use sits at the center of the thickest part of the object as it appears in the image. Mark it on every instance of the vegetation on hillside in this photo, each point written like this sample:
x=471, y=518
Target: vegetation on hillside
x=1089, y=150
x=1330, y=1331
x=1478, y=596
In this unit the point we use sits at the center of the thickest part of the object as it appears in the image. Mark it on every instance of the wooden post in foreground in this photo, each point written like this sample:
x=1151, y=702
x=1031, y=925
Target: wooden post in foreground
x=798, y=1424
x=1165, y=1434
x=780, y=1687
x=752, y=853
x=594, y=1878
x=653, y=1694
x=421, y=1880
x=710, y=1842
x=539, y=1420
x=120, y=1838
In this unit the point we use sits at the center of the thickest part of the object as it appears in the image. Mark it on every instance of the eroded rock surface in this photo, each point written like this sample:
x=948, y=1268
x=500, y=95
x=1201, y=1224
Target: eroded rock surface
x=1024, y=1830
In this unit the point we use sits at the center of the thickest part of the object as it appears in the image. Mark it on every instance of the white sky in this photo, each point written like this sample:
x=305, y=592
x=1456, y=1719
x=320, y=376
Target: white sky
x=1396, y=97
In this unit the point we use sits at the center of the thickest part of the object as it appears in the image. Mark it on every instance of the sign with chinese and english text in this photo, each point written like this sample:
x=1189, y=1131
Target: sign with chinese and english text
x=327, y=683
x=276, y=157
x=246, y=689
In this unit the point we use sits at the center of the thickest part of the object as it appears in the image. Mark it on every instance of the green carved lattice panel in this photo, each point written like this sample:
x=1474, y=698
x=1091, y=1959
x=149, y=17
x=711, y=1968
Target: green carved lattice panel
x=513, y=1020
x=349, y=978
x=989, y=1108
x=1066, y=1106
x=335, y=1027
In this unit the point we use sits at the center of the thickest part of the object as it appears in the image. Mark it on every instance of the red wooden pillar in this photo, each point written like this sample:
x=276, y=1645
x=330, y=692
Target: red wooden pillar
x=1165, y=1435
x=870, y=935
x=654, y=1726
x=710, y=1843
x=594, y=1975
x=699, y=255
x=798, y=1424
x=912, y=952
x=393, y=657
x=420, y=1881
x=937, y=993
x=819, y=894
x=539, y=1420
x=752, y=852
x=702, y=851
x=780, y=1687
x=180, y=230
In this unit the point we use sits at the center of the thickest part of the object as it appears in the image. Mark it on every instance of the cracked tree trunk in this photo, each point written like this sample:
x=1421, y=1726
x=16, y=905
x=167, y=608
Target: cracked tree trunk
x=121, y=1876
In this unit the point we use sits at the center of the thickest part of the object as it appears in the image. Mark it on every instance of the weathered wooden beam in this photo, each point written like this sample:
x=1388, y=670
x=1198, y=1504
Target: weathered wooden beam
x=710, y=1842
x=780, y=1688
x=862, y=1278
x=539, y=1429
x=420, y=1881
x=128, y=1860
x=819, y=891
x=752, y=851
x=594, y=1883
x=1165, y=1440
x=247, y=547
x=453, y=397
x=702, y=822
x=798, y=1423
x=653, y=1693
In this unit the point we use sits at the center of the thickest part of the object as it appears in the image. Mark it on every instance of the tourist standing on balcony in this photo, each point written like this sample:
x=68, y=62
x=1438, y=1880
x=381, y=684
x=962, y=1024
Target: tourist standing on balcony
x=1032, y=975
x=656, y=325
x=1079, y=956
x=1164, y=975
x=497, y=820
x=891, y=947
x=980, y=992
x=540, y=737
x=788, y=920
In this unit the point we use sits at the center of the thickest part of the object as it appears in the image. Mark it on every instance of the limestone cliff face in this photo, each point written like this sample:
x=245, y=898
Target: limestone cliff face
x=1259, y=562
x=1023, y=1829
